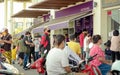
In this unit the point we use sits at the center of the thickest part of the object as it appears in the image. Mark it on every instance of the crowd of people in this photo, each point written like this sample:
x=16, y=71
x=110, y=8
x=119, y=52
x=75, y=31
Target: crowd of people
x=57, y=62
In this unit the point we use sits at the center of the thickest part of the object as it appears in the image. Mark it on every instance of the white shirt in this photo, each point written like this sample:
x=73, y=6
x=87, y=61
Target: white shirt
x=56, y=61
x=72, y=55
x=86, y=44
x=91, y=45
x=116, y=65
x=37, y=44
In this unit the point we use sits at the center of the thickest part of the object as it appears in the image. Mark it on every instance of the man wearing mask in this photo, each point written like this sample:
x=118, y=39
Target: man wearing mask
x=27, y=45
x=45, y=41
x=7, y=41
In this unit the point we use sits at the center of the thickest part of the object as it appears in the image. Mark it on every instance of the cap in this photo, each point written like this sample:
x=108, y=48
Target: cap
x=4, y=29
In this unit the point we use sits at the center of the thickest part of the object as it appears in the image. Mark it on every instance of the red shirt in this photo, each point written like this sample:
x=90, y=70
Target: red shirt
x=43, y=41
x=96, y=50
x=81, y=39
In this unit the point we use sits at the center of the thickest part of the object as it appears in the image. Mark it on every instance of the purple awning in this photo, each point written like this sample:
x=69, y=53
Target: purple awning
x=60, y=25
x=38, y=30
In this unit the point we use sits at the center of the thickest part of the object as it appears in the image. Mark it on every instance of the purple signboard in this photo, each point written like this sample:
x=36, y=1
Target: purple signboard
x=46, y=17
x=84, y=23
x=75, y=9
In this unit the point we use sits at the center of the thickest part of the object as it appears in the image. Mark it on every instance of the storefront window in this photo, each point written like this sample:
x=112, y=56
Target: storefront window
x=115, y=20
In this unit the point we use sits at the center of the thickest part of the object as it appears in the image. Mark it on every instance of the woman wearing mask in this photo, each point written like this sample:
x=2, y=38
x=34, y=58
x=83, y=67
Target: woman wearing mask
x=99, y=60
x=57, y=61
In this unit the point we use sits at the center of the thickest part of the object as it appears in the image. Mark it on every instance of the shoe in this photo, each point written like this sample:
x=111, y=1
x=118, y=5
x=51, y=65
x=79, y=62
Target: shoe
x=25, y=68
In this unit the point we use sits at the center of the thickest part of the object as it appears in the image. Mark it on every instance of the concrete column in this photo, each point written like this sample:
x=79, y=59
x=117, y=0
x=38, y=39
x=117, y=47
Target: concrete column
x=100, y=21
x=11, y=19
x=5, y=11
x=24, y=19
x=52, y=13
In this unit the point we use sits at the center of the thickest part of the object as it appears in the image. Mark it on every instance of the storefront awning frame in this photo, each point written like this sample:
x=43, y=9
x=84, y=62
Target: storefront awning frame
x=29, y=13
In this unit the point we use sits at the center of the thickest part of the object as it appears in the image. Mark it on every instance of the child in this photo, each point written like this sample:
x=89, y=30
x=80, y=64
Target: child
x=14, y=50
x=107, y=50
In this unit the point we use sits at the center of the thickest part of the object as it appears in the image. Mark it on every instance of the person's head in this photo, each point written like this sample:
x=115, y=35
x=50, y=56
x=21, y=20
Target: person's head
x=73, y=38
x=60, y=41
x=66, y=35
x=115, y=33
x=5, y=31
x=14, y=46
x=28, y=34
x=84, y=31
x=97, y=39
x=22, y=36
x=47, y=30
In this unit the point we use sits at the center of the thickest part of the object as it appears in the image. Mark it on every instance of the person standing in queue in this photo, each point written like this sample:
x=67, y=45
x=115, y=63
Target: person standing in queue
x=32, y=50
x=27, y=44
x=21, y=49
x=74, y=46
x=115, y=46
x=81, y=39
x=7, y=41
x=45, y=41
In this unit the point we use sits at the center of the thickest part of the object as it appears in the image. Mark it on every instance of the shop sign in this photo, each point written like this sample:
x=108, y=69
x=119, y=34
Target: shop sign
x=110, y=3
x=85, y=7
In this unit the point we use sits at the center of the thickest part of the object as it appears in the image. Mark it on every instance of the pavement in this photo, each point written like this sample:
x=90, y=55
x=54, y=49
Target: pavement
x=26, y=72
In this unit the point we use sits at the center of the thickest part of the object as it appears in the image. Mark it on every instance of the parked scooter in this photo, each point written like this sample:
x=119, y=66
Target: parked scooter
x=85, y=67
x=115, y=69
x=6, y=68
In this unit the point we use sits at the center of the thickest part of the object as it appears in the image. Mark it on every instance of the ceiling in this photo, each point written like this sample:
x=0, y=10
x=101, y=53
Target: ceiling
x=29, y=14
x=54, y=4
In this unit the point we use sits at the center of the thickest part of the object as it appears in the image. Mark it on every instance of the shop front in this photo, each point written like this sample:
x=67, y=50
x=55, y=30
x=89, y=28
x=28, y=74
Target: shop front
x=112, y=7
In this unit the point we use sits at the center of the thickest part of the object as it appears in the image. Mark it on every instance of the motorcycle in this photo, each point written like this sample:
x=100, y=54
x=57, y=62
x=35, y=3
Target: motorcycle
x=6, y=68
x=115, y=69
x=85, y=67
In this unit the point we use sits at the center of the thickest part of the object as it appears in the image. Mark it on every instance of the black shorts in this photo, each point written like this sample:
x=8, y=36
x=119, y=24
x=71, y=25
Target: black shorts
x=21, y=55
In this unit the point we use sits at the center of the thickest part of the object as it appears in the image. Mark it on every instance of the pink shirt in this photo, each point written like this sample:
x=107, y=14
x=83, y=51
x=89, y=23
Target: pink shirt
x=81, y=38
x=96, y=50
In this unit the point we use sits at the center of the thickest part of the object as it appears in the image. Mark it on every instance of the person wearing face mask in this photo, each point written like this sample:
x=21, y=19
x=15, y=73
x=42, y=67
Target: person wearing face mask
x=57, y=61
x=99, y=61
x=45, y=41
x=27, y=44
x=7, y=41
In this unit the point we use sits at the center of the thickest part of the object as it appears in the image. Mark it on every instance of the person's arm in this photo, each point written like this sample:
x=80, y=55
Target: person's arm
x=28, y=43
x=1, y=41
x=65, y=63
x=103, y=60
x=67, y=69
x=8, y=41
x=79, y=51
